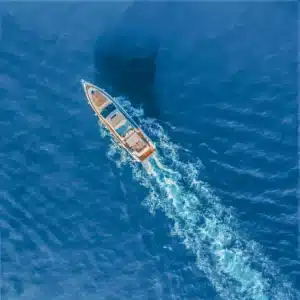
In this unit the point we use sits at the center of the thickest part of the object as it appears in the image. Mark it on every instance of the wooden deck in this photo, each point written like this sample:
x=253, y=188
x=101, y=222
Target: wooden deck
x=97, y=97
x=147, y=154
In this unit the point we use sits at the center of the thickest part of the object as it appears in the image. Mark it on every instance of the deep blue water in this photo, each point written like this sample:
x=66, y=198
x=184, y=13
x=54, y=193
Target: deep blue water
x=215, y=87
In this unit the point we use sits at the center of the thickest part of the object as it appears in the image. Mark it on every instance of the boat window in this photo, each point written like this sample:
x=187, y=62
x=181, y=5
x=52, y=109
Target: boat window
x=108, y=109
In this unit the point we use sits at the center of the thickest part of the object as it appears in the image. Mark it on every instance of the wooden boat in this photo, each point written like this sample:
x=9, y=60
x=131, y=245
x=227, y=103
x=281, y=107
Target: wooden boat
x=122, y=128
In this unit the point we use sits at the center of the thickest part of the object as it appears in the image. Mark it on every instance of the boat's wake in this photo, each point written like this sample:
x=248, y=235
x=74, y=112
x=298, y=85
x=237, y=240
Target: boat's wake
x=235, y=266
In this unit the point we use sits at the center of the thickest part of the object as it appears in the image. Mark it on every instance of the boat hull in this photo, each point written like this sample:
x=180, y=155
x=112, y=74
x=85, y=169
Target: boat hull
x=117, y=121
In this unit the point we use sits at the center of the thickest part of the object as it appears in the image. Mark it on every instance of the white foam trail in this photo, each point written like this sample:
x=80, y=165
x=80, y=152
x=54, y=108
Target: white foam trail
x=235, y=266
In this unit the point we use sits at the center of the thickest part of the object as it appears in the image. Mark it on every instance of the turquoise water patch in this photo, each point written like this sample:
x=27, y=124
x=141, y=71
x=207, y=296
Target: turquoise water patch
x=123, y=129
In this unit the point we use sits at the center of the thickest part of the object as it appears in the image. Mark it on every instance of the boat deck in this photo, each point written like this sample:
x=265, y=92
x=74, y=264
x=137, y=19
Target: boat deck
x=97, y=98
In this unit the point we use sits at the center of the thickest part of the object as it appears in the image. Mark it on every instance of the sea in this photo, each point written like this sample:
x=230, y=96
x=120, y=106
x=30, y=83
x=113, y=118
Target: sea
x=214, y=215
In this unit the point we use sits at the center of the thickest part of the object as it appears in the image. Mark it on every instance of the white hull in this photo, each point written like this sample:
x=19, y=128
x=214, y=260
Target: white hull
x=122, y=128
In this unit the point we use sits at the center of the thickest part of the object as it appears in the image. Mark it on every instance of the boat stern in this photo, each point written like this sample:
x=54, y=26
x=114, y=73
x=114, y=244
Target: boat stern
x=146, y=154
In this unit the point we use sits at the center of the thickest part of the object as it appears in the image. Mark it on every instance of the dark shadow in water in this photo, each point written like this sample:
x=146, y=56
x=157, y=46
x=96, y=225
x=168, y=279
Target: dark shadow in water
x=125, y=61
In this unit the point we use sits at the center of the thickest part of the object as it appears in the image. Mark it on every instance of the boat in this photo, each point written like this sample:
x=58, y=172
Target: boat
x=120, y=125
